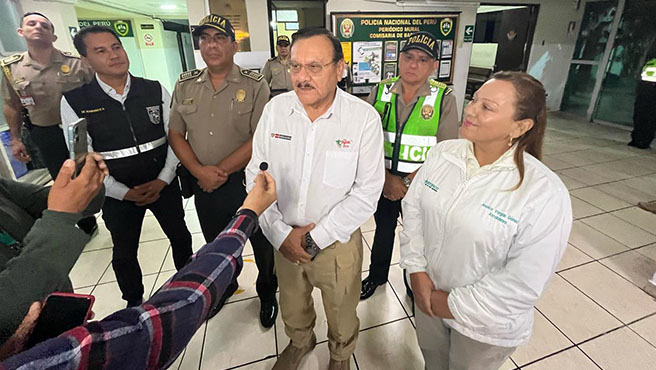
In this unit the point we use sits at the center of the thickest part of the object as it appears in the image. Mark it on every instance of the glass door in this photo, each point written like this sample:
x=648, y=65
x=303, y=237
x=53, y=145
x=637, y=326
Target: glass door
x=594, y=33
x=634, y=40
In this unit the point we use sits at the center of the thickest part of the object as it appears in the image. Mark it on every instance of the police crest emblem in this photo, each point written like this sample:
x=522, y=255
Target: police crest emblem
x=153, y=114
x=427, y=112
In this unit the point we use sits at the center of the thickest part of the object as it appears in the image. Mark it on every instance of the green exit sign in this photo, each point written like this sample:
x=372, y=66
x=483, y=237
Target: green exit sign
x=469, y=33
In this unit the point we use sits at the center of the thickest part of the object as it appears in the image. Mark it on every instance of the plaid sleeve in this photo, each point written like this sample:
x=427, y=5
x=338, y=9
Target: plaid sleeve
x=153, y=335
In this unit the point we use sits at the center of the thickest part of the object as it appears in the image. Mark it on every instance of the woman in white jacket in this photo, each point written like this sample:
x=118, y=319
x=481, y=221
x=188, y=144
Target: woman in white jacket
x=485, y=225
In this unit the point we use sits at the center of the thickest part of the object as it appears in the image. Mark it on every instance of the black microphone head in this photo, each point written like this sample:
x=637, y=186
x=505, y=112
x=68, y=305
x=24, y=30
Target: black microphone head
x=264, y=166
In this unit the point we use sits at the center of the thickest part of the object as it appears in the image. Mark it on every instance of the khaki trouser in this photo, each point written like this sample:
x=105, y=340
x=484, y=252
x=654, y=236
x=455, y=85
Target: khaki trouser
x=446, y=349
x=336, y=271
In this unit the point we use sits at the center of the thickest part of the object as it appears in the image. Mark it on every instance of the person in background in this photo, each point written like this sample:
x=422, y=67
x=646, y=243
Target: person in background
x=154, y=334
x=417, y=113
x=485, y=224
x=213, y=117
x=326, y=148
x=40, y=242
x=35, y=81
x=127, y=119
x=644, y=109
x=276, y=69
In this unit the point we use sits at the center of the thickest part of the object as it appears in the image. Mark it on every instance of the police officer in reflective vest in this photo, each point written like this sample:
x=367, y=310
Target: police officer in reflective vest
x=127, y=123
x=417, y=112
x=276, y=69
x=644, y=109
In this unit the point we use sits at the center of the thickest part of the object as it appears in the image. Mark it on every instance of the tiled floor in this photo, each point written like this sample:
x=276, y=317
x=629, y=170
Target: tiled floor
x=596, y=314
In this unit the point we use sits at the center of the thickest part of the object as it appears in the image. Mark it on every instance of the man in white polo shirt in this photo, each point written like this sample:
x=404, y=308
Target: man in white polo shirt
x=324, y=147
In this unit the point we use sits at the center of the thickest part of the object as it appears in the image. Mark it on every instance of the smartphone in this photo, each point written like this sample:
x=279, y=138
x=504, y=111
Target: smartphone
x=77, y=143
x=61, y=312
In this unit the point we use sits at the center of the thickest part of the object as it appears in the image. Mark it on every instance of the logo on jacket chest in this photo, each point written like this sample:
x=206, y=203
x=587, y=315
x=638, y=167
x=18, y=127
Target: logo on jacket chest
x=154, y=115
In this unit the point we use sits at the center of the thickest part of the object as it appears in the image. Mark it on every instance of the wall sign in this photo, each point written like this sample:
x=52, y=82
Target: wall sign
x=122, y=27
x=372, y=43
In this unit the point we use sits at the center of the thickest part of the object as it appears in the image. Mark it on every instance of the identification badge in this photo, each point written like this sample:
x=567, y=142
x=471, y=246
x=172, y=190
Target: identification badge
x=153, y=114
x=187, y=101
x=27, y=100
x=427, y=112
x=240, y=95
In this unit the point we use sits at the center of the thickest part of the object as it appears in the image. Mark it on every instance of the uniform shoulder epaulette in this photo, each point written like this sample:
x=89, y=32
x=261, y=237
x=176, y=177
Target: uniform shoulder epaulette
x=448, y=91
x=272, y=59
x=188, y=75
x=251, y=74
x=438, y=84
x=70, y=55
x=11, y=59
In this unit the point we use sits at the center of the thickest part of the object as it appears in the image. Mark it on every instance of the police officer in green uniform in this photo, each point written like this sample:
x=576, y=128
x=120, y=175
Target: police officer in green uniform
x=276, y=69
x=35, y=80
x=214, y=114
x=417, y=113
x=644, y=109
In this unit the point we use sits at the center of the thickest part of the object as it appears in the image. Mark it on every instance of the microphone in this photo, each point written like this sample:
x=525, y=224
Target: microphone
x=264, y=166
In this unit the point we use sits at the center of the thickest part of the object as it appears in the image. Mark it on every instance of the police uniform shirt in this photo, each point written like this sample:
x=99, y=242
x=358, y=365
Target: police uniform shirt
x=448, y=124
x=277, y=74
x=114, y=188
x=41, y=87
x=217, y=122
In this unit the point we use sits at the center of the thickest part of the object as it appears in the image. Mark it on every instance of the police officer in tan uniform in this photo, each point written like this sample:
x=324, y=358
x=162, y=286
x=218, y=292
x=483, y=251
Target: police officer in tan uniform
x=276, y=69
x=214, y=113
x=35, y=80
x=412, y=107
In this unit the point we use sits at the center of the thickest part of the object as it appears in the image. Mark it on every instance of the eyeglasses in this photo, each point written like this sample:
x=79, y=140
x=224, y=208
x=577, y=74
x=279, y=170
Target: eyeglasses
x=421, y=59
x=217, y=38
x=312, y=68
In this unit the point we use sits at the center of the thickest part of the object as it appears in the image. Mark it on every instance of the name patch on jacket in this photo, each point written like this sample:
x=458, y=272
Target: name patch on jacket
x=153, y=114
x=431, y=186
x=87, y=111
x=499, y=215
x=281, y=136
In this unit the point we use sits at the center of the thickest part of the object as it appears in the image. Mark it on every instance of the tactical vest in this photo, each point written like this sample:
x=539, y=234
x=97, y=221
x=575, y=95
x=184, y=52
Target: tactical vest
x=407, y=143
x=130, y=137
x=649, y=71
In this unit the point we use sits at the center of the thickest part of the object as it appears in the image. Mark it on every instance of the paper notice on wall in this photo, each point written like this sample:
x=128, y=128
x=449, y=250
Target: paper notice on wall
x=346, y=49
x=367, y=61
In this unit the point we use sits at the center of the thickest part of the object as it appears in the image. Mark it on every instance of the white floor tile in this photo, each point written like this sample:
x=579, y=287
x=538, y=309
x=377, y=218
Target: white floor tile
x=621, y=349
x=191, y=219
x=162, y=278
x=108, y=297
x=620, y=230
x=593, y=242
x=246, y=280
x=391, y=346
x=611, y=291
x=573, y=257
x=370, y=312
x=572, y=359
x=102, y=239
x=555, y=164
x=646, y=328
x=260, y=365
x=545, y=340
x=150, y=255
x=151, y=230
x=600, y=199
x=570, y=183
x=370, y=225
x=565, y=307
x=584, y=176
x=638, y=217
x=90, y=267
x=581, y=208
x=633, y=266
x=234, y=337
x=396, y=280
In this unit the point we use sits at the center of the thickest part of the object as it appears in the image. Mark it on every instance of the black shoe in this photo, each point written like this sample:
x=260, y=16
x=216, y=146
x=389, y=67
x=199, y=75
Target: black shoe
x=135, y=303
x=88, y=225
x=268, y=312
x=637, y=145
x=368, y=288
x=232, y=288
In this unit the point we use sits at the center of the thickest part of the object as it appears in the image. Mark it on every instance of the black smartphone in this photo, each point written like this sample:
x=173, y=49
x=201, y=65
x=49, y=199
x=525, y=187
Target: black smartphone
x=61, y=312
x=78, y=146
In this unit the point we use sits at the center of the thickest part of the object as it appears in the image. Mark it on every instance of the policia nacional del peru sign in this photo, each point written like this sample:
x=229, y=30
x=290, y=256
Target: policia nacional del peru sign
x=372, y=43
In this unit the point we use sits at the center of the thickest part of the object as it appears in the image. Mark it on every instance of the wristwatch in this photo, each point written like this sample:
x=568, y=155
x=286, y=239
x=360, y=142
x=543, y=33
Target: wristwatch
x=310, y=246
x=406, y=181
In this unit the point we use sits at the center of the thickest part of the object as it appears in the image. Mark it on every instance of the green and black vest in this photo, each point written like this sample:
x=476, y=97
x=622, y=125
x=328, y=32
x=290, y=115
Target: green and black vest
x=407, y=143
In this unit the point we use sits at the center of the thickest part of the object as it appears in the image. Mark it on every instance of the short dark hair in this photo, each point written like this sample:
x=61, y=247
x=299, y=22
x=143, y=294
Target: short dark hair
x=40, y=15
x=78, y=40
x=306, y=33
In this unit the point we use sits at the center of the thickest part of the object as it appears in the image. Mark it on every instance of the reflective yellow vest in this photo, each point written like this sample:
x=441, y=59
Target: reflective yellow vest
x=406, y=148
x=649, y=71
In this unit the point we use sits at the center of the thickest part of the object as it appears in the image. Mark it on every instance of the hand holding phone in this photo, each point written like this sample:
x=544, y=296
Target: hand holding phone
x=61, y=312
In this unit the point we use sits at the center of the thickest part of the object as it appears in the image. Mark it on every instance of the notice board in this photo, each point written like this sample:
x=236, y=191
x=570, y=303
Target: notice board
x=372, y=42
